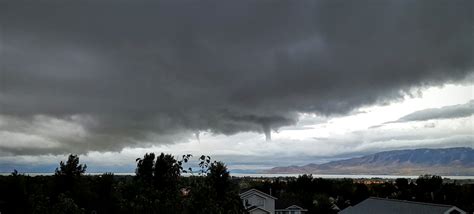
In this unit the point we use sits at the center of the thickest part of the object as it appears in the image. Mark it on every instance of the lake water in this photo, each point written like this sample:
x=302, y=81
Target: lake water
x=455, y=177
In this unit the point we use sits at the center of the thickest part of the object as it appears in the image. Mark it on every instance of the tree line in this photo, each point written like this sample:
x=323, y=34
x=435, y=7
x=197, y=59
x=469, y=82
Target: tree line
x=320, y=195
x=160, y=187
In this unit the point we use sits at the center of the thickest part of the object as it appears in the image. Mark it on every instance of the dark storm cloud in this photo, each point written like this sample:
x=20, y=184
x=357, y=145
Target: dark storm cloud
x=143, y=69
x=446, y=112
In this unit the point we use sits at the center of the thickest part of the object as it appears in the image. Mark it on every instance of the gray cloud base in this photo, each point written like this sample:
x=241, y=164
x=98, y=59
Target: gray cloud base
x=144, y=69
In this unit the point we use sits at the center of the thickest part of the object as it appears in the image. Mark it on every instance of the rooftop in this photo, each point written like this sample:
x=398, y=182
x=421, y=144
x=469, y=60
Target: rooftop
x=389, y=206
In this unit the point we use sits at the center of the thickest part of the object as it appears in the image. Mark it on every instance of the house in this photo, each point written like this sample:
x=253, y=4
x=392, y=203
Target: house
x=258, y=202
x=391, y=206
x=293, y=209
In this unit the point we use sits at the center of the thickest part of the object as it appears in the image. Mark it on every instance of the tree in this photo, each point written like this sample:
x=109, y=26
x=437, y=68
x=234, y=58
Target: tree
x=428, y=186
x=71, y=168
x=157, y=186
x=66, y=205
x=219, y=178
x=106, y=200
x=226, y=192
x=68, y=173
x=68, y=183
x=144, y=169
x=361, y=193
x=429, y=182
x=402, y=185
x=166, y=172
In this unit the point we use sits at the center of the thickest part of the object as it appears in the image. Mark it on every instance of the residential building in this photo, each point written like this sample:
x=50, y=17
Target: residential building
x=258, y=202
x=392, y=206
x=293, y=209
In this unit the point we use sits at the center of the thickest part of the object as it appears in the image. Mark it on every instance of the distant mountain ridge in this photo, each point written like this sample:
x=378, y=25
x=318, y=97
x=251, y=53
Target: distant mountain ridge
x=449, y=161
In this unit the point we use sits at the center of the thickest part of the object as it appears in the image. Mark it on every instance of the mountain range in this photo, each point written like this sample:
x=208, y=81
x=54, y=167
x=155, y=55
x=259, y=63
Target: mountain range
x=446, y=161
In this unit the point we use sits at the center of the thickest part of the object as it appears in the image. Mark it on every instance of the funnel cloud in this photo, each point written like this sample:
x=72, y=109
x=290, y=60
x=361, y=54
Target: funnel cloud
x=125, y=74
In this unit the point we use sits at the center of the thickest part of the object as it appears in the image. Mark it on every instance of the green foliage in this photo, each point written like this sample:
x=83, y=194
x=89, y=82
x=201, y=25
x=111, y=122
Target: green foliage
x=204, y=163
x=361, y=193
x=144, y=169
x=68, y=179
x=327, y=195
x=71, y=168
x=429, y=182
x=225, y=192
x=158, y=187
x=404, y=190
x=211, y=191
x=428, y=188
x=166, y=172
x=66, y=205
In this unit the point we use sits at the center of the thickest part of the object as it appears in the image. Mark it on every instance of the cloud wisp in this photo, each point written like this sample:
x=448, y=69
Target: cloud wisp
x=446, y=112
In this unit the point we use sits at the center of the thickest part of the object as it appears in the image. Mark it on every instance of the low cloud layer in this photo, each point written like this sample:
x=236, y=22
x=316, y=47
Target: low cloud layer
x=447, y=112
x=101, y=76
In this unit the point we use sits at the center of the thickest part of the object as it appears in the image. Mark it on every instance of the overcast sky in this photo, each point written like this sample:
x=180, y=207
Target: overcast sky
x=253, y=83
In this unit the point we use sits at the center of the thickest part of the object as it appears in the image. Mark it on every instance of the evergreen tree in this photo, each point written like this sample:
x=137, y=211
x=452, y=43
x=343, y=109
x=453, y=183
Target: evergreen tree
x=71, y=168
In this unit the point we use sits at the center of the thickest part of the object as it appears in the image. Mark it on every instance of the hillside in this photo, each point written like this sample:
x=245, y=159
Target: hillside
x=450, y=161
